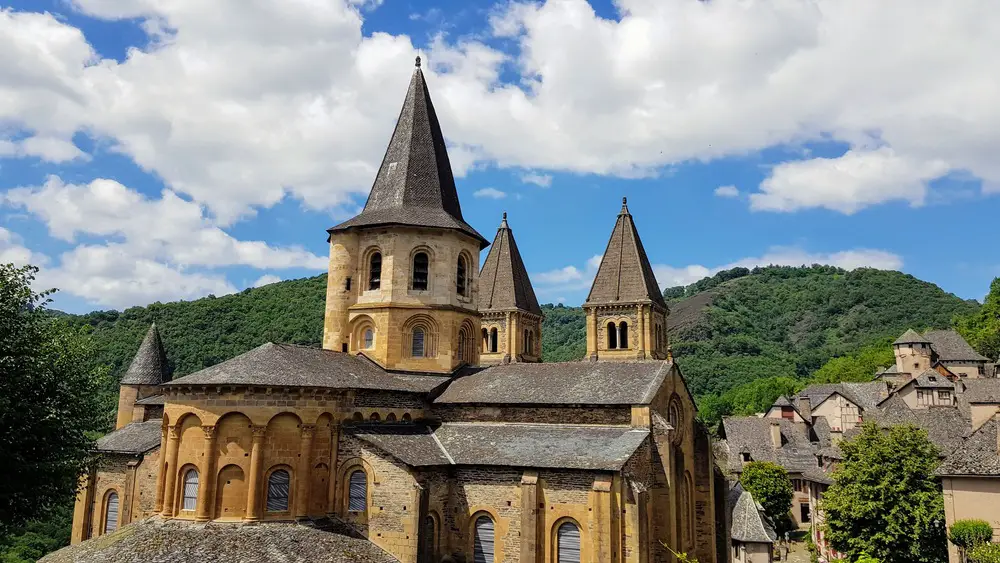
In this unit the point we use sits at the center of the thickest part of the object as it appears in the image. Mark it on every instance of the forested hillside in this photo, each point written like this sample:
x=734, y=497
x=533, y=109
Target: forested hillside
x=734, y=328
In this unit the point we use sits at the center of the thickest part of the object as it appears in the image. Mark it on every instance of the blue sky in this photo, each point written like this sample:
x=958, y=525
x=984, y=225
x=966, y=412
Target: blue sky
x=168, y=150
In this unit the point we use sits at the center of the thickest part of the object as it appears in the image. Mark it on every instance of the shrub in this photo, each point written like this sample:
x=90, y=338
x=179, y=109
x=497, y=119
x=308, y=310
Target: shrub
x=967, y=534
x=985, y=553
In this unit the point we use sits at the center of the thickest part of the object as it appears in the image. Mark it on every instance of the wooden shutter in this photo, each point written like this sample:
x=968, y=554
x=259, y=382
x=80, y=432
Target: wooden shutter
x=111, y=516
x=358, y=492
x=569, y=543
x=277, y=491
x=483, y=546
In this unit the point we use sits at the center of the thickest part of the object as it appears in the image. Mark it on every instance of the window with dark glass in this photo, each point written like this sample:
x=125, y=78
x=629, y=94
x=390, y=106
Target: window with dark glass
x=460, y=278
x=420, y=269
x=277, y=491
x=612, y=336
x=493, y=341
x=417, y=348
x=369, y=339
x=375, y=271
x=623, y=335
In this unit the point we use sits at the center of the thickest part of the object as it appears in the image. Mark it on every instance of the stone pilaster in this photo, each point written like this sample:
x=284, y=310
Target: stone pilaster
x=254, y=489
x=170, y=480
x=529, y=517
x=302, y=480
x=206, y=481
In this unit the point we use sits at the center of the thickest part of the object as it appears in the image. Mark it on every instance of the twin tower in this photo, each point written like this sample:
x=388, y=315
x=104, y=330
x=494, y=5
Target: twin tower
x=405, y=290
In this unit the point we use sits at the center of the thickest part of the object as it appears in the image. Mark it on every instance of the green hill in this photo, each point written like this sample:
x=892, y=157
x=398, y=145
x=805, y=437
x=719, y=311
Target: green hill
x=730, y=329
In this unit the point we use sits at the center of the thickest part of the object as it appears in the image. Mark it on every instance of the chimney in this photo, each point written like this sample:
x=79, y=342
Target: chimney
x=805, y=407
x=776, y=434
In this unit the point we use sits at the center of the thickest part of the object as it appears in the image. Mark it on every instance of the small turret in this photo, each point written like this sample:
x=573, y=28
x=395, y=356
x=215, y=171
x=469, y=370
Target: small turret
x=143, y=378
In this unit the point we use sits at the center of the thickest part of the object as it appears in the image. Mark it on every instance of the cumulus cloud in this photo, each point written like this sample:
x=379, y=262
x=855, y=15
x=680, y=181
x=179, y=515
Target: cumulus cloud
x=266, y=279
x=491, y=193
x=727, y=191
x=540, y=180
x=49, y=149
x=13, y=251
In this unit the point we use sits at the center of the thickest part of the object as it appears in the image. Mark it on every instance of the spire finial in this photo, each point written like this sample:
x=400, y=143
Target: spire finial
x=624, y=206
x=504, y=215
x=417, y=64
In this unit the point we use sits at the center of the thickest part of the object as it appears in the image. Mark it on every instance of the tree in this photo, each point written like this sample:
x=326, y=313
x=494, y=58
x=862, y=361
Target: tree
x=982, y=328
x=967, y=534
x=47, y=406
x=857, y=367
x=884, y=501
x=771, y=488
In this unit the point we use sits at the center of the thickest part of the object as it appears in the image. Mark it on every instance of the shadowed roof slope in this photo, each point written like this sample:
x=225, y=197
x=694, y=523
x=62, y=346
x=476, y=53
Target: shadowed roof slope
x=951, y=347
x=503, y=282
x=279, y=365
x=182, y=541
x=976, y=455
x=133, y=438
x=561, y=383
x=625, y=275
x=749, y=524
x=149, y=366
x=415, y=186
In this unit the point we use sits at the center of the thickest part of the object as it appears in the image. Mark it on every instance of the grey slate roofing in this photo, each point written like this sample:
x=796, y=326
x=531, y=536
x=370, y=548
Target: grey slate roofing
x=503, y=281
x=782, y=401
x=414, y=186
x=149, y=366
x=133, y=438
x=277, y=365
x=625, y=275
x=154, y=400
x=931, y=379
x=951, y=347
x=976, y=455
x=911, y=337
x=184, y=541
x=551, y=446
x=749, y=525
x=865, y=395
x=985, y=390
x=752, y=434
x=574, y=383
x=945, y=426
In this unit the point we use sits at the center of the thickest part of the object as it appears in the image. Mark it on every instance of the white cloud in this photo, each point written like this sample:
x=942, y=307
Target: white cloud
x=266, y=279
x=568, y=278
x=491, y=193
x=727, y=191
x=847, y=183
x=540, y=180
x=237, y=104
x=13, y=251
x=49, y=149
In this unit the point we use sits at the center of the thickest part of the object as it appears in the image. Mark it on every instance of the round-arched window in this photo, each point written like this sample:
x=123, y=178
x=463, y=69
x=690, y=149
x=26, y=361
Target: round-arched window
x=375, y=271
x=277, y=491
x=190, y=499
x=369, y=339
x=417, y=346
x=568, y=543
x=461, y=279
x=483, y=543
x=111, y=513
x=421, y=265
x=358, y=492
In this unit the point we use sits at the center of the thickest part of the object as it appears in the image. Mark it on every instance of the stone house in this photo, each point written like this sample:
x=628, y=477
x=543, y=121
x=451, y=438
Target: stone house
x=425, y=424
x=751, y=537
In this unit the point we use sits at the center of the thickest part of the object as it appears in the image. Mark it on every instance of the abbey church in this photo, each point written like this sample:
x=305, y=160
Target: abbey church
x=426, y=428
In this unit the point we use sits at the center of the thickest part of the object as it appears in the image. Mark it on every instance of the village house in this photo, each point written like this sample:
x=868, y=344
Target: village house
x=425, y=424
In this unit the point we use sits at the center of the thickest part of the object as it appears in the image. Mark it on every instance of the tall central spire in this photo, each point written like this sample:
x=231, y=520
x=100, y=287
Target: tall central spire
x=415, y=185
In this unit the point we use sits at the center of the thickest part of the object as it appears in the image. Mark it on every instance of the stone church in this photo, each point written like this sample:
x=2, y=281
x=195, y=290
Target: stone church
x=426, y=426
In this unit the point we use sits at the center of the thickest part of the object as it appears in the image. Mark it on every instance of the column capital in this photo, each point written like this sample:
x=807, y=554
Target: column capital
x=308, y=429
x=174, y=432
x=258, y=431
x=209, y=430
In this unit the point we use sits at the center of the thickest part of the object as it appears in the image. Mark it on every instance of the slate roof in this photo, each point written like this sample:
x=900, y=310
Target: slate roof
x=184, y=541
x=951, y=347
x=560, y=383
x=911, y=337
x=985, y=390
x=149, y=366
x=976, y=455
x=277, y=365
x=752, y=434
x=154, y=400
x=551, y=446
x=503, y=281
x=625, y=275
x=414, y=185
x=133, y=438
x=865, y=395
x=945, y=426
x=749, y=525
x=931, y=379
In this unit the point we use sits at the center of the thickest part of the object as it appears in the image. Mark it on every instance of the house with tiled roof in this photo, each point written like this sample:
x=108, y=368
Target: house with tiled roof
x=944, y=351
x=412, y=435
x=752, y=535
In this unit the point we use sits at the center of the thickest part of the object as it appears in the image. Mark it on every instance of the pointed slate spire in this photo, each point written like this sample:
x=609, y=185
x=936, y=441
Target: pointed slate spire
x=503, y=282
x=625, y=275
x=415, y=186
x=149, y=366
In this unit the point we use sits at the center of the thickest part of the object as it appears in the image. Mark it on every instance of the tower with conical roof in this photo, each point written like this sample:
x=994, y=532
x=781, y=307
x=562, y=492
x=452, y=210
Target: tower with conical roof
x=626, y=313
x=143, y=378
x=913, y=354
x=512, y=319
x=402, y=279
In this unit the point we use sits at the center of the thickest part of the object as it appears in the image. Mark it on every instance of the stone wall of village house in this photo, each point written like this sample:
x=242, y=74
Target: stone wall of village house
x=970, y=498
x=131, y=477
x=511, y=344
x=394, y=309
x=603, y=416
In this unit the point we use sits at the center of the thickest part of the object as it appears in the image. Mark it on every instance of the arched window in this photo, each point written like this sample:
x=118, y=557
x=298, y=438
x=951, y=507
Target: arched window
x=460, y=277
x=531, y=342
x=391, y=417
x=568, y=543
x=420, y=265
x=429, y=539
x=493, y=340
x=417, y=346
x=358, y=493
x=375, y=271
x=623, y=335
x=406, y=417
x=527, y=342
x=486, y=340
x=374, y=417
x=612, y=336
x=277, y=491
x=190, y=490
x=369, y=339
x=461, y=346
x=111, y=513
x=482, y=546
x=358, y=417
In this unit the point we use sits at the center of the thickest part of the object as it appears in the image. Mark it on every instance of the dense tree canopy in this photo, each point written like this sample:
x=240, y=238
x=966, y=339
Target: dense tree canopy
x=48, y=411
x=885, y=501
x=982, y=327
x=771, y=488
